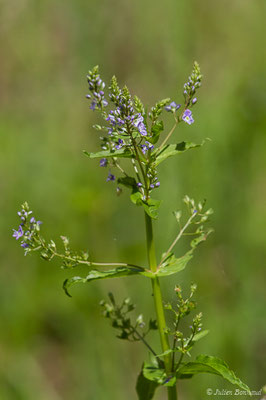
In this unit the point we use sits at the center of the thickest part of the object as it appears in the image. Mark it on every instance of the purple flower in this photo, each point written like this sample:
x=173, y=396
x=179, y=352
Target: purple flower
x=194, y=100
x=93, y=105
x=157, y=184
x=103, y=162
x=19, y=233
x=147, y=146
x=138, y=120
x=120, y=144
x=138, y=123
x=110, y=177
x=139, y=184
x=187, y=117
x=172, y=107
x=142, y=129
x=144, y=148
x=24, y=245
x=32, y=220
x=111, y=118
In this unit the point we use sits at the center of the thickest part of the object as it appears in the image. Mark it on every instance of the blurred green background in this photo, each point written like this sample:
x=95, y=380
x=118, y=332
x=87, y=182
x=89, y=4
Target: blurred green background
x=53, y=347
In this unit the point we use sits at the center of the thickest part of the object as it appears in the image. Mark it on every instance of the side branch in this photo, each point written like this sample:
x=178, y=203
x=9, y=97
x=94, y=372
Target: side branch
x=181, y=232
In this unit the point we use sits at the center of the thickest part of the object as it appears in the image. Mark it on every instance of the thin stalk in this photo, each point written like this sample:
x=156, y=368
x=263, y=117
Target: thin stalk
x=158, y=302
x=97, y=264
x=137, y=154
x=177, y=120
x=144, y=341
x=177, y=238
x=170, y=133
x=174, y=344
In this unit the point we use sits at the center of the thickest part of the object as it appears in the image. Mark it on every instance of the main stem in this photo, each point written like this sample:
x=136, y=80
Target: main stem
x=158, y=302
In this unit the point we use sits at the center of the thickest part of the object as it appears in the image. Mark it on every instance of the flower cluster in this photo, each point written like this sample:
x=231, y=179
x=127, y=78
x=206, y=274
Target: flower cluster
x=120, y=320
x=124, y=118
x=96, y=87
x=183, y=308
x=193, y=83
x=28, y=228
x=129, y=134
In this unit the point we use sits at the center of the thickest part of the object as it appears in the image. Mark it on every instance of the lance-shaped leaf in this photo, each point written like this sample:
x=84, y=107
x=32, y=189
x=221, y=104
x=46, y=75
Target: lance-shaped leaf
x=172, y=265
x=113, y=273
x=211, y=365
x=156, y=130
x=122, y=153
x=151, y=207
x=200, y=335
x=158, y=375
x=145, y=388
x=128, y=181
x=170, y=150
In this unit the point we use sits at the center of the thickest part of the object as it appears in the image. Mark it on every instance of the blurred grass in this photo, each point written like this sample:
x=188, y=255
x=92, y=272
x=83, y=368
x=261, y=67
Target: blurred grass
x=53, y=347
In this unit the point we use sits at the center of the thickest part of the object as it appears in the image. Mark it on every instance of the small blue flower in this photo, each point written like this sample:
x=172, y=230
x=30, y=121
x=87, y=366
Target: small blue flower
x=147, y=146
x=139, y=124
x=194, y=100
x=187, y=117
x=93, y=105
x=120, y=144
x=24, y=245
x=110, y=177
x=173, y=107
x=103, y=162
x=19, y=233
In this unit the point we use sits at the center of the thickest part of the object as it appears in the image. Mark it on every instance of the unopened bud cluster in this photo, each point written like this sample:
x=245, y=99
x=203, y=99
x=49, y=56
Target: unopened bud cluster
x=120, y=319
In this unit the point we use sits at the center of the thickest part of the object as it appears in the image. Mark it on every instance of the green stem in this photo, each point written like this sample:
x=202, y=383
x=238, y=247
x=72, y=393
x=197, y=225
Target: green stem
x=158, y=302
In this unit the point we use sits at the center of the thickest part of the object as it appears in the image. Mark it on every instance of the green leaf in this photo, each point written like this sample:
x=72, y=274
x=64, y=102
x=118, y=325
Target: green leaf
x=172, y=265
x=158, y=375
x=122, y=153
x=169, y=351
x=136, y=197
x=211, y=365
x=96, y=275
x=127, y=181
x=145, y=388
x=156, y=130
x=200, y=335
x=201, y=238
x=151, y=207
x=170, y=150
